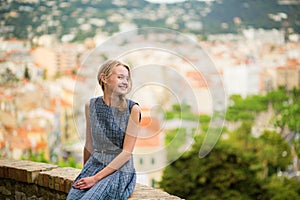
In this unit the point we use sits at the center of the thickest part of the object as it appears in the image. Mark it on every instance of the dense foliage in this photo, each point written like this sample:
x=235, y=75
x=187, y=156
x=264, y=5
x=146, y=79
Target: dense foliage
x=232, y=170
x=41, y=157
x=241, y=165
x=181, y=111
x=223, y=173
x=246, y=109
x=284, y=103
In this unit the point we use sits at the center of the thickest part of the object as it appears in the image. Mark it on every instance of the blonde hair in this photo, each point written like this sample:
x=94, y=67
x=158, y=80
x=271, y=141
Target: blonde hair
x=107, y=69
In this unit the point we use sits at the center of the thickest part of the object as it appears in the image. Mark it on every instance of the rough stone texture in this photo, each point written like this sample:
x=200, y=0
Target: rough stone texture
x=26, y=180
x=145, y=192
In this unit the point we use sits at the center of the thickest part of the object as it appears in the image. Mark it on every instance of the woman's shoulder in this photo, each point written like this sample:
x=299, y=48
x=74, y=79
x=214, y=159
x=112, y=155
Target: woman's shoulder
x=134, y=108
x=91, y=101
x=94, y=99
x=131, y=103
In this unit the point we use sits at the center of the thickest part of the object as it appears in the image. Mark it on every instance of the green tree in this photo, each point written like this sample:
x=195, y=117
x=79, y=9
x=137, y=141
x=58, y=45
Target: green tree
x=181, y=111
x=204, y=121
x=271, y=149
x=281, y=188
x=274, y=153
x=240, y=167
x=36, y=157
x=243, y=134
x=173, y=141
x=246, y=108
x=26, y=74
x=8, y=77
x=287, y=113
x=277, y=98
x=285, y=105
x=41, y=157
x=70, y=162
x=226, y=173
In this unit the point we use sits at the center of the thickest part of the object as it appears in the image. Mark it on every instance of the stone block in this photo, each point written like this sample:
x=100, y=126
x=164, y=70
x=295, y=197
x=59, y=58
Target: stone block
x=31, y=180
x=5, y=191
x=20, y=196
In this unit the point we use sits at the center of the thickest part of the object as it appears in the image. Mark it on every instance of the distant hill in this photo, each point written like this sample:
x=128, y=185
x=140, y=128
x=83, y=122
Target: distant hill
x=266, y=14
x=83, y=18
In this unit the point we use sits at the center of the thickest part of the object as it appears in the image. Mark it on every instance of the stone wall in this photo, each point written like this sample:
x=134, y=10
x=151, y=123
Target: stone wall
x=26, y=180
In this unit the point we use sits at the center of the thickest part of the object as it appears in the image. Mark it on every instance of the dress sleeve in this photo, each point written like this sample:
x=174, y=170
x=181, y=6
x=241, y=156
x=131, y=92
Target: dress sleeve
x=131, y=104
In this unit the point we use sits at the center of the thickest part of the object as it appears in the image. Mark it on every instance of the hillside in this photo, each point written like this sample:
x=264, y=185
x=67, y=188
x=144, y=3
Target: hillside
x=84, y=18
x=252, y=13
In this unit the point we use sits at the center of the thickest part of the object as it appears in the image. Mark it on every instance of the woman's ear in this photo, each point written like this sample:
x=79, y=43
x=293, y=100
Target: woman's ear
x=103, y=78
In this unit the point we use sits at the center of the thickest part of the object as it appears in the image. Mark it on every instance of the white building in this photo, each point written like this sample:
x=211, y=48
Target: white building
x=242, y=79
x=273, y=36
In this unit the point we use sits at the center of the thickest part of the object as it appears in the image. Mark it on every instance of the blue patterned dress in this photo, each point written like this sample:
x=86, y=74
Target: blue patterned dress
x=108, y=126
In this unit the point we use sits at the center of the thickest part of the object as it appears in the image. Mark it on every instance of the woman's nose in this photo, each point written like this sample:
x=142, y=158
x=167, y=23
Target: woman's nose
x=124, y=81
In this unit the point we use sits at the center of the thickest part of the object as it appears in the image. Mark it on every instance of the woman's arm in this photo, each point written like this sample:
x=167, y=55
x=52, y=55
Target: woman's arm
x=122, y=158
x=88, y=147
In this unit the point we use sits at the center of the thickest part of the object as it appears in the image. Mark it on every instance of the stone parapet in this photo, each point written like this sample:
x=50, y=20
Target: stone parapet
x=21, y=179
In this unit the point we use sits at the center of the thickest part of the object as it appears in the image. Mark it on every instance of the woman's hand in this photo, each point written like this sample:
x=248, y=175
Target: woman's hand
x=85, y=183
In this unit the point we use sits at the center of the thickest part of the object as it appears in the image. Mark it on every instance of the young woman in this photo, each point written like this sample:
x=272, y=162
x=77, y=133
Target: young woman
x=112, y=125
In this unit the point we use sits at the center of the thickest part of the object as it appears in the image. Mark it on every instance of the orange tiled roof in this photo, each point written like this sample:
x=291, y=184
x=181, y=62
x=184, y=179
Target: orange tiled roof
x=150, y=132
x=22, y=140
x=7, y=97
x=197, y=79
x=290, y=64
x=65, y=104
x=55, y=101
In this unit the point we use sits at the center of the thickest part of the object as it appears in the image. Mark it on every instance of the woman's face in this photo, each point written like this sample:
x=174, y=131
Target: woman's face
x=118, y=81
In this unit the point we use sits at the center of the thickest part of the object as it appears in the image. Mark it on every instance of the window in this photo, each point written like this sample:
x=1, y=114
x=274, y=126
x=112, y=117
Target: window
x=152, y=161
x=141, y=161
x=153, y=183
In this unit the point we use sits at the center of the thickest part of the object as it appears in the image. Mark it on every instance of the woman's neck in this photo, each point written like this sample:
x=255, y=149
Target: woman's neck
x=113, y=100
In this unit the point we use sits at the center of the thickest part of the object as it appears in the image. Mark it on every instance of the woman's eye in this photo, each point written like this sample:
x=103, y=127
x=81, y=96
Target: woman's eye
x=123, y=77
